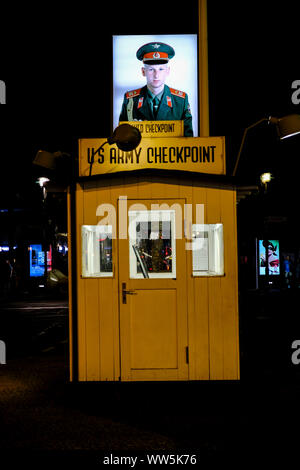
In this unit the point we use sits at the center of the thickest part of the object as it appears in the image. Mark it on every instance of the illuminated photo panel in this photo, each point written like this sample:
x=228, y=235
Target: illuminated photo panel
x=37, y=260
x=271, y=249
x=182, y=75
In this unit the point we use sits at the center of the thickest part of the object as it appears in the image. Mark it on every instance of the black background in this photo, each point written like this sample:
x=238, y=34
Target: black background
x=56, y=61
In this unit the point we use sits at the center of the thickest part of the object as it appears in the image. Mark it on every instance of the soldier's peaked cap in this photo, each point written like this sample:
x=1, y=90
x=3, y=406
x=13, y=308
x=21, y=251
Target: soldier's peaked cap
x=155, y=53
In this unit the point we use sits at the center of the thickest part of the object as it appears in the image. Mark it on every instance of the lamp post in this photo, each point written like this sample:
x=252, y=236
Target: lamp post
x=125, y=136
x=265, y=179
x=42, y=181
x=287, y=126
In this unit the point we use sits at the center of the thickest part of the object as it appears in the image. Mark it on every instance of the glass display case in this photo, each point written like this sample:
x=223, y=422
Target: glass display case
x=208, y=250
x=97, y=251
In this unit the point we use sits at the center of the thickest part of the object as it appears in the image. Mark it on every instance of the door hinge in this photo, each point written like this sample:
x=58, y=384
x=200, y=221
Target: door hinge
x=187, y=355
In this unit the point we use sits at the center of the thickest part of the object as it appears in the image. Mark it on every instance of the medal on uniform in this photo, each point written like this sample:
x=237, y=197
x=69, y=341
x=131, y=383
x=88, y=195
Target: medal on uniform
x=140, y=103
x=169, y=101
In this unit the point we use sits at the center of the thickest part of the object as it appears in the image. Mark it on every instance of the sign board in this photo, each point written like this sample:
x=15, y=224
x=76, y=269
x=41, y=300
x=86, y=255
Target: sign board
x=158, y=128
x=197, y=154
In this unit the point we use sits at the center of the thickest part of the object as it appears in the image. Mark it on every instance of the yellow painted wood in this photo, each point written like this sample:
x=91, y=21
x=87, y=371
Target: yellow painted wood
x=199, y=319
x=207, y=312
x=144, y=188
x=153, y=333
x=116, y=190
x=91, y=293
x=98, y=300
x=150, y=302
x=70, y=251
x=213, y=216
x=185, y=191
x=81, y=312
x=229, y=288
x=108, y=304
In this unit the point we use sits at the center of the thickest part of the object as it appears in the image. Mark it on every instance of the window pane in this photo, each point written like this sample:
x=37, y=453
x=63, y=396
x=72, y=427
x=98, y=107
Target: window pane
x=152, y=244
x=96, y=250
x=208, y=250
x=200, y=250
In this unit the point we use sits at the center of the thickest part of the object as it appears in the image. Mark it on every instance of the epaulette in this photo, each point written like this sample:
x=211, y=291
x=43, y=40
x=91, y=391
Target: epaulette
x=133, y=93
x=179, y=93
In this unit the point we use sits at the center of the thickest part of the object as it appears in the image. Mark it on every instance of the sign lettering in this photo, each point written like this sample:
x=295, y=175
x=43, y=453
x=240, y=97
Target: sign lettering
x=197, y=154
x=159, y=128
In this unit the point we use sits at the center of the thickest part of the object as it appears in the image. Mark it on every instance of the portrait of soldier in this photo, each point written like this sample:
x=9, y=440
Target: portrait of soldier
x=156, y=100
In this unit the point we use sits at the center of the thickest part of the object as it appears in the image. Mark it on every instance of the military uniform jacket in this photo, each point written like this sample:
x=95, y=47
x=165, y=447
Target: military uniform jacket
x=173, y=106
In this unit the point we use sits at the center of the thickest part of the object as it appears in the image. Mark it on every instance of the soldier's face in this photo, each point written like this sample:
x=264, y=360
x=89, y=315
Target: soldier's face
x=155, y=75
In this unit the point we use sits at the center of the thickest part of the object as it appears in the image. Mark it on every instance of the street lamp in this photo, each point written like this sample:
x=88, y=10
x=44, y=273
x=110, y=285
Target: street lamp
x=42, y=180
x=265, y=178
x=126, y=138
x=47, y=159
x=287, y=126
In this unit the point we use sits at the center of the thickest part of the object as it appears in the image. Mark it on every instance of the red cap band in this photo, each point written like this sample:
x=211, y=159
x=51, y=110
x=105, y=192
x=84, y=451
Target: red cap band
x=155, y=56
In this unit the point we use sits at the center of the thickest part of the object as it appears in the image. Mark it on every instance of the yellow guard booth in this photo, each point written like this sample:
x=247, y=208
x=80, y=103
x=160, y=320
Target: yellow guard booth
x=153, y=255
x=154, y=250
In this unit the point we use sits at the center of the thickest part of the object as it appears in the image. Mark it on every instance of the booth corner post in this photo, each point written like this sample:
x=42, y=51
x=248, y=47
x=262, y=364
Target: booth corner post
x=72, y=272
x=203, y=69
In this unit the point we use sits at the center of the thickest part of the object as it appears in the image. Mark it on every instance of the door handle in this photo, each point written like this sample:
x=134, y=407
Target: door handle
x=126, y=292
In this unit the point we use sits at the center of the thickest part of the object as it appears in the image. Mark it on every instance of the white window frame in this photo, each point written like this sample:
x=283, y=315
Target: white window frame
x=150, y=216
x=90, y=266
x=214, y=248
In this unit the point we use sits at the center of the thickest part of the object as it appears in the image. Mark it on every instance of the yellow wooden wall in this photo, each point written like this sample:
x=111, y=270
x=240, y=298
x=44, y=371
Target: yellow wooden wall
x=212, y=301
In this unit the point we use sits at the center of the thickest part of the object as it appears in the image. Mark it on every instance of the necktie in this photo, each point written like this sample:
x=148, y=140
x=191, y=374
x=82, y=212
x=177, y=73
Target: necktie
x=155, y=106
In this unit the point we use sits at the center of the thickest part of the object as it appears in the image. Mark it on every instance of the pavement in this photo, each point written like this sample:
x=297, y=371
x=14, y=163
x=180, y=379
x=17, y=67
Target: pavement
x=46, y=420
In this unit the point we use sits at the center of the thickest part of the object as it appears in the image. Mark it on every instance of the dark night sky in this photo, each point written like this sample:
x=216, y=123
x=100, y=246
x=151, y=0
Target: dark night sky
x=57, y=67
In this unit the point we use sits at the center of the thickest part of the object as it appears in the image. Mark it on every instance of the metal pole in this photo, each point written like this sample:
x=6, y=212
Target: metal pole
x=243, y=141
